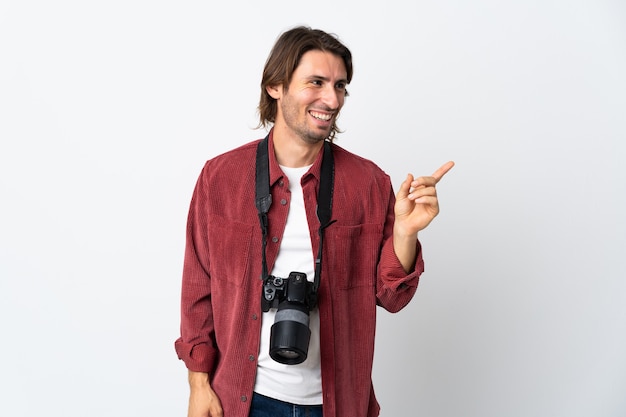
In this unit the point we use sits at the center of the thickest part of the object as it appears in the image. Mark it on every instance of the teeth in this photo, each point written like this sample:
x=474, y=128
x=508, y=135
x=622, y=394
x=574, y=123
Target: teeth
x=321, y=116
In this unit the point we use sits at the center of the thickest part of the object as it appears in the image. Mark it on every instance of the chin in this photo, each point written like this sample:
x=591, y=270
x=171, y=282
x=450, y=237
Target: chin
x=315, y=139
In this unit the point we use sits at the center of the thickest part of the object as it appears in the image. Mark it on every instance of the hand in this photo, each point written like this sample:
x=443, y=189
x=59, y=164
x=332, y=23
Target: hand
x=416, y=202
x=203, y=401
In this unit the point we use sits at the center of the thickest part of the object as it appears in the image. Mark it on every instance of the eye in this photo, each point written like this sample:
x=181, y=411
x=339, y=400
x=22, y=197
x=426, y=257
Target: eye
x=341, y=86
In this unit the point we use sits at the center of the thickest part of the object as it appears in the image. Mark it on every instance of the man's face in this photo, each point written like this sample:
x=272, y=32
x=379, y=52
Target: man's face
x=308, y=107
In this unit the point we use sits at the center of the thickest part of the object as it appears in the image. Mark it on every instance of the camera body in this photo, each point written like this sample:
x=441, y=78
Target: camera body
x=293, y=297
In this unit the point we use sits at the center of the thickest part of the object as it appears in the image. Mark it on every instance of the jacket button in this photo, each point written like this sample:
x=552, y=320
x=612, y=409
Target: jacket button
x=274, y=239
x=251, y=358
x=244, y=398
x=254, y=317
x=283, y=201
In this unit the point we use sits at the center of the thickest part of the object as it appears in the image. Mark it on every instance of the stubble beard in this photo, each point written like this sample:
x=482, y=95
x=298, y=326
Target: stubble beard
x=312, y=139
x=301, y=128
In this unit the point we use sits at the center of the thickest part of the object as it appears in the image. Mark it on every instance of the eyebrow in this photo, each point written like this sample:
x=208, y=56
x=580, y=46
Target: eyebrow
x=326, y=79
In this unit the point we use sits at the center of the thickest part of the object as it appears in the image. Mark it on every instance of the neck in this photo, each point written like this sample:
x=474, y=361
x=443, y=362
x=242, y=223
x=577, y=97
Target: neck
x=294, y=152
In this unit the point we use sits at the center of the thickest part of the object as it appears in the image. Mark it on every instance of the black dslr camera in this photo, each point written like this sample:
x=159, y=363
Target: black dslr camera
x=294, y=297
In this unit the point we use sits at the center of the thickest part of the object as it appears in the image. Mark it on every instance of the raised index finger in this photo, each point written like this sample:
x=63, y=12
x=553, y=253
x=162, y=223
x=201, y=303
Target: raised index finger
x=438, y=175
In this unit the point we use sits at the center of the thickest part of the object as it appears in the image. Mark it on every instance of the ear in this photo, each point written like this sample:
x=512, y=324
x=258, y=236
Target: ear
x=275, y=91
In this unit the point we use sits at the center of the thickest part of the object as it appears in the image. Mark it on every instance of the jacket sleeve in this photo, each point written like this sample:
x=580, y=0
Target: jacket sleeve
x=395, y=288
x=196, y=344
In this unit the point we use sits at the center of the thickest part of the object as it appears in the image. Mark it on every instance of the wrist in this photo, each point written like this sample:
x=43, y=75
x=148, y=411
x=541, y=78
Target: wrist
x=198, y=379
x=405, y=248
x=402, y=236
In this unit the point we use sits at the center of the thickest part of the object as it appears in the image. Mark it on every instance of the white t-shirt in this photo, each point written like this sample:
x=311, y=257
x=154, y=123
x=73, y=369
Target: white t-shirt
x=301, y=383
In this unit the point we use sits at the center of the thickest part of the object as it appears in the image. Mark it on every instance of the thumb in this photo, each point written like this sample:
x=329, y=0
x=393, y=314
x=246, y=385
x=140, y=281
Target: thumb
x=405, y=187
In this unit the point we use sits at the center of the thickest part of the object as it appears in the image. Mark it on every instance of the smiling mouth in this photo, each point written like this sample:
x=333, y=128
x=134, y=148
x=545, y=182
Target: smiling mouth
x=325, y=117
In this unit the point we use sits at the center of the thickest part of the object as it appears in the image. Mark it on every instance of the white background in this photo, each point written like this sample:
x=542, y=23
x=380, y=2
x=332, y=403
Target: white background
x=108, y=111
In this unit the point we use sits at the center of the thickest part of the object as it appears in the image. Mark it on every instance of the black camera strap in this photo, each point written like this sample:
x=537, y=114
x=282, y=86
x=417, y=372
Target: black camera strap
x=324, y=200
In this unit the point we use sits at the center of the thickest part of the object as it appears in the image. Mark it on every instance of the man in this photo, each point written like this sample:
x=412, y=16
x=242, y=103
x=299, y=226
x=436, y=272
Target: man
x=358, y=249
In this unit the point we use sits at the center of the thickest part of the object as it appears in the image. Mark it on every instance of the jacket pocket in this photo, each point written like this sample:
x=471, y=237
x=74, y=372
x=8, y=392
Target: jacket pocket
x=229, y=250
x=353, y=254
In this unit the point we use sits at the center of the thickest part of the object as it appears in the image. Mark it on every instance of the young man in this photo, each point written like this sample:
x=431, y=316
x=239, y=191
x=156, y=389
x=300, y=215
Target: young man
x=332, y=218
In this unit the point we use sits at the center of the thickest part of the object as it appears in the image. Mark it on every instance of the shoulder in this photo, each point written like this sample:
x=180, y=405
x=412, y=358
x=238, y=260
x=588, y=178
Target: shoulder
x=234, y=160
x=238, y=154
x=231, y=168
x=352, y=164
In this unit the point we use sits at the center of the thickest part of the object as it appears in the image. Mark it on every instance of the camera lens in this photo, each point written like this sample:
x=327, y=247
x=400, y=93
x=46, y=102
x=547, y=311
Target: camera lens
x=290, y=335
x=287, y=354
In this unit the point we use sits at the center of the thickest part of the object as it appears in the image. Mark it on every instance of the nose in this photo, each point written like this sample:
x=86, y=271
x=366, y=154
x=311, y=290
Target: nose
x=331, y=97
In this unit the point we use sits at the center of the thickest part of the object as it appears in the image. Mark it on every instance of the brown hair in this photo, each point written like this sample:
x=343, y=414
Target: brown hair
x=285, y=58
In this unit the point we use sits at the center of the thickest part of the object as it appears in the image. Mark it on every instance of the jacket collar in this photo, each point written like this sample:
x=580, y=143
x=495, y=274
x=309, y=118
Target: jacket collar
x=276, y=173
